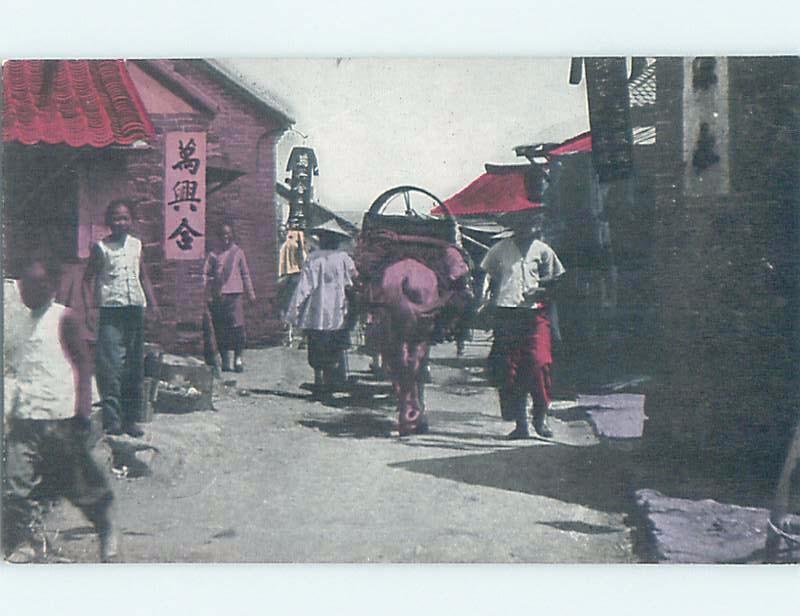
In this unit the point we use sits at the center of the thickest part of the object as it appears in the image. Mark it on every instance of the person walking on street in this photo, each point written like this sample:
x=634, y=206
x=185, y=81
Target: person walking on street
x=227, y=280
x=122, y=291
x=321, y=308
x=49, y=441
x=522, y=270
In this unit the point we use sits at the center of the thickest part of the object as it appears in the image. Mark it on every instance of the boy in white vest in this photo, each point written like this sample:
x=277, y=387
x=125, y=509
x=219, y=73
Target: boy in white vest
x=122, y=291
x=49, y=444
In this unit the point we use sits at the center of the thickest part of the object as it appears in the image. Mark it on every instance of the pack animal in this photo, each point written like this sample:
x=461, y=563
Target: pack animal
x=417, y=289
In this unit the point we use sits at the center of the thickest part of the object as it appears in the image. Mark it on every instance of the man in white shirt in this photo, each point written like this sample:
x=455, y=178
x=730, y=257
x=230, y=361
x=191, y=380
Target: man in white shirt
x=521, y=271
x=49, y=441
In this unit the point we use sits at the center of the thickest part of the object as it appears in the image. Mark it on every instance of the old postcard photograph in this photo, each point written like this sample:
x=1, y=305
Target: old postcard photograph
x=439, y=310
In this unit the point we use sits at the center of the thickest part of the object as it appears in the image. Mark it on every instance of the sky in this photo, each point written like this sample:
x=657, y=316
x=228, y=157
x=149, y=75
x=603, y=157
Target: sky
x=380, y=123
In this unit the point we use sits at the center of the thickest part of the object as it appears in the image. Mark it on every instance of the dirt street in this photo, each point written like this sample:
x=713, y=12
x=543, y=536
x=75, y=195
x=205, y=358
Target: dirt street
x=272, y=476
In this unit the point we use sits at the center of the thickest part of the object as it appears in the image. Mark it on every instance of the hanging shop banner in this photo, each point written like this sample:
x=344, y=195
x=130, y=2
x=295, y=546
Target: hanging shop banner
x=609, y=117
x=185, y=196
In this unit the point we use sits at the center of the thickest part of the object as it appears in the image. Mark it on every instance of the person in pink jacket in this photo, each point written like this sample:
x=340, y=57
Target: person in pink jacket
x=228, y=280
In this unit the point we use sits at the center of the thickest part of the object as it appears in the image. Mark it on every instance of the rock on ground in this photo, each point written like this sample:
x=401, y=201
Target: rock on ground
x=702, y=531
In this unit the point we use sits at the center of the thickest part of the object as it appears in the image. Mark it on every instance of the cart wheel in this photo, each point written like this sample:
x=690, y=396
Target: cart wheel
x=414, y=201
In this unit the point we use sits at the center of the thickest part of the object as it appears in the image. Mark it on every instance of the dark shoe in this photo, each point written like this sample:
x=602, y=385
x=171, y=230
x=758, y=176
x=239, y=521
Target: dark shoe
x=133, y=430
x=542, y=427
x=519, y=434
x=109, y=545
x=378, y=372
x=115, y=429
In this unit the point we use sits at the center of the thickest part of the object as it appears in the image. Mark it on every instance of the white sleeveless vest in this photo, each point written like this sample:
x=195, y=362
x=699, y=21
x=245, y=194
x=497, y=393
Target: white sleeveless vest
x=118, y=282
x=39, y=375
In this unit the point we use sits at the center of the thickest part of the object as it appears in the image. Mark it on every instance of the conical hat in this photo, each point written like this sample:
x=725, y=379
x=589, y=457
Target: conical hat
x=331, y=226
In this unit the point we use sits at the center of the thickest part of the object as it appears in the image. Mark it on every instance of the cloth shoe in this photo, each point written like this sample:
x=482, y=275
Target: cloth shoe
x=519, y=433
x=115, y=429
x=542, y=427
x=109, y=545
x=132, y=429
x=422, y=426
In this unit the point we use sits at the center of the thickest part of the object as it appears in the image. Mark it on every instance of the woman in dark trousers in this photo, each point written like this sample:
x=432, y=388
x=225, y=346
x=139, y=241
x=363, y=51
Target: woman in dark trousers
x=122, y=291
x=227, y=279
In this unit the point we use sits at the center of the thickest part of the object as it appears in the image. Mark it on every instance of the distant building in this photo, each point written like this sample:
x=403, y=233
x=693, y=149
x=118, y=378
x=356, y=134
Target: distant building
x=317, y=213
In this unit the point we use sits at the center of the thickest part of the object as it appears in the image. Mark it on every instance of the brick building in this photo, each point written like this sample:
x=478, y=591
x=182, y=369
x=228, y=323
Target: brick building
x=725, y=180
x=56, y=192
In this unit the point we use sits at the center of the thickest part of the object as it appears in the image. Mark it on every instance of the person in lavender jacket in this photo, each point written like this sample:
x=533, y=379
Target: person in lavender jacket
x=227, y=279
x=320, y=307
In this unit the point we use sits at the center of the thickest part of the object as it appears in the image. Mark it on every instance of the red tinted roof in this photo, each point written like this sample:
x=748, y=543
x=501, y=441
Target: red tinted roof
x=576, y=145
x=491, y=193
x=75, y=102
x=503, y=189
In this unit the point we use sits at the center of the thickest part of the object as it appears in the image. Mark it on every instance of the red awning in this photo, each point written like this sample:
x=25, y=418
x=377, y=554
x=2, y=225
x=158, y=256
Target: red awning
x=75, y=102
x=502, y=189
x=491, y=193
x=576, y=145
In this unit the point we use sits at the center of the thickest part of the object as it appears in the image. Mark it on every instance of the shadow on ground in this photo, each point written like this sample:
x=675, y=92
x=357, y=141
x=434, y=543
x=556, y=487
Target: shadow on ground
x=582, y=527
x=596, y=477
x=458, y=362
x=353, y=395
x=353, y=425
x=602, y=477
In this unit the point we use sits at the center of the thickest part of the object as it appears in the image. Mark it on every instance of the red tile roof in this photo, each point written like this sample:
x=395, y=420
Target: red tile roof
x=74, y=102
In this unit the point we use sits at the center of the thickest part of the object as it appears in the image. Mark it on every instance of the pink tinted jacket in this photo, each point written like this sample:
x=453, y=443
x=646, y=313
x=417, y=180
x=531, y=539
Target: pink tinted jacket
x=227, y=272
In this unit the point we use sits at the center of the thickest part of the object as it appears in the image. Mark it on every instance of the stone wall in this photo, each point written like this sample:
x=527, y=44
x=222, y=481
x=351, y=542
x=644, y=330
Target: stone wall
x=725, y=272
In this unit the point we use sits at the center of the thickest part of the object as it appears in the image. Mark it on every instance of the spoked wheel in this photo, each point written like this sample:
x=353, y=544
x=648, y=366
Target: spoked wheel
x=408, y=200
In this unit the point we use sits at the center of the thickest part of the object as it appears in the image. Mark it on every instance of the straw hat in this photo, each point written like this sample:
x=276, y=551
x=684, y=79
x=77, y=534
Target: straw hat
x=332, y=226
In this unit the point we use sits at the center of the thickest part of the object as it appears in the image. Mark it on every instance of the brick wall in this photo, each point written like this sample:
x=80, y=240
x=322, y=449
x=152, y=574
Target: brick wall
x=241, y=138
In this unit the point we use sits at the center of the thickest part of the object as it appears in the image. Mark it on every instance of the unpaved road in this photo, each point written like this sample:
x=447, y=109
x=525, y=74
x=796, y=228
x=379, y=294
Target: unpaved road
x=274, y=477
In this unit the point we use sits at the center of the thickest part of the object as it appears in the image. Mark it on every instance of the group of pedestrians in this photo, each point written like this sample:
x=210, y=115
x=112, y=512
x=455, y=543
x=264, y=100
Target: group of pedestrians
x=522, y=272
x=50, y=440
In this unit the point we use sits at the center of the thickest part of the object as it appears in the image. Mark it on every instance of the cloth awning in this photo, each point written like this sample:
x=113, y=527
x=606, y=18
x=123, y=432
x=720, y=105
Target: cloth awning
x=578, y=144
x=503, y=188
x=72, y=102
x=491, y=193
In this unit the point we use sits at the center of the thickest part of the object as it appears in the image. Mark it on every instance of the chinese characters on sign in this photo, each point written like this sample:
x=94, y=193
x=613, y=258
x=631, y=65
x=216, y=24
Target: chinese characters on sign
x=185, y=196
